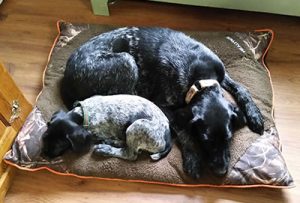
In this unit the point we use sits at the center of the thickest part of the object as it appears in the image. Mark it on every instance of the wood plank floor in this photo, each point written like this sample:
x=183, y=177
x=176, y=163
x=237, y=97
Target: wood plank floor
x=27, y=31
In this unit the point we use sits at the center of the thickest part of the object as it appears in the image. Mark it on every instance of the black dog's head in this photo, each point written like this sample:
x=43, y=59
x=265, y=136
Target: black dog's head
x=212, y=120
x=64, y=132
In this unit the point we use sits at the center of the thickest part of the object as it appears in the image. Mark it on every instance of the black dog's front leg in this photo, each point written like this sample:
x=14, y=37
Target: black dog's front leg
x=191, y=154
x=245, y=102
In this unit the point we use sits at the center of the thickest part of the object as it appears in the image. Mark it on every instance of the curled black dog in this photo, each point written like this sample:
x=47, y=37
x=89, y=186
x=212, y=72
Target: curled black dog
x=163, y=65
x=121, y=125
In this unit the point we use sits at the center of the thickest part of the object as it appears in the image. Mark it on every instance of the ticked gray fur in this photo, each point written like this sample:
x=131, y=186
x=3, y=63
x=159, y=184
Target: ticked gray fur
x=125, y=125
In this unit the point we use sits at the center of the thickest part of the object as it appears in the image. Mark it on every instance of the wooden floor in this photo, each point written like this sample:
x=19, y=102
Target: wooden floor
x=27, y=31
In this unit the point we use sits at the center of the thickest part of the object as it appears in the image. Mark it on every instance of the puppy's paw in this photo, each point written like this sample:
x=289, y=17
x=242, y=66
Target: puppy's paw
x=103, y=149
x=255, y=119
x=192, y=165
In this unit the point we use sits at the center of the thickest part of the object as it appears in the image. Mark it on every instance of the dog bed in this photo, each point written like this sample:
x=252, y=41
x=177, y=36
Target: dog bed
x=256, y=161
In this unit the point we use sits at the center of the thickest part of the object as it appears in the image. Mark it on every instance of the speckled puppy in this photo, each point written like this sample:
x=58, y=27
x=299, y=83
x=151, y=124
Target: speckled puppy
x=125, y=125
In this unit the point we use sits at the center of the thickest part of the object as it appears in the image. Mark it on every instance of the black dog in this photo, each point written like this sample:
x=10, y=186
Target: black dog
x=162, y=65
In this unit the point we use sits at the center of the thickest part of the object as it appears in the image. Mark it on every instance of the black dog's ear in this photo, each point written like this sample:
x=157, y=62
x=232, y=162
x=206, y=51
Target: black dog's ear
x=238, y=118
x=183, y=116
x=79, y=139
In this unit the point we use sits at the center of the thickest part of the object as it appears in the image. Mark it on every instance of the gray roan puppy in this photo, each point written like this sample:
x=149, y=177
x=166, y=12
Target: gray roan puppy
x=125, y=125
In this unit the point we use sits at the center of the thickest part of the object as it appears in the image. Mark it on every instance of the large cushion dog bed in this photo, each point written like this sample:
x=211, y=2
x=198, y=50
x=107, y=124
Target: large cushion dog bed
x=255, y=160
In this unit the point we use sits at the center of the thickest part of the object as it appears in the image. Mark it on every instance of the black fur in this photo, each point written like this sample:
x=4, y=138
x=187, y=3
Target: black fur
x=161, y=65
x=64, y=132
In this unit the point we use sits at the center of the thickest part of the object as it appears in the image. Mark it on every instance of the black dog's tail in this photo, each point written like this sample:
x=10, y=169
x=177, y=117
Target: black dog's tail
x=169, y=144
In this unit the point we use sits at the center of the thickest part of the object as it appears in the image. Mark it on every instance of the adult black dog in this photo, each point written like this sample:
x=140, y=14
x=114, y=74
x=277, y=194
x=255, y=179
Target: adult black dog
x=166, y=67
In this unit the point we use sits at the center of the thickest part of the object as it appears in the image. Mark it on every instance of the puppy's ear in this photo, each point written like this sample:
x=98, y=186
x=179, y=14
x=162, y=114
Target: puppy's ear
x=58, y=115
x=238, y=117
x=79, y=139
x=75, y=117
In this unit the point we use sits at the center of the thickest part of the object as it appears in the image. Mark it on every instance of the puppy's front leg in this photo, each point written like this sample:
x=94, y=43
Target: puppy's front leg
x=245, y=102
x=107, y=150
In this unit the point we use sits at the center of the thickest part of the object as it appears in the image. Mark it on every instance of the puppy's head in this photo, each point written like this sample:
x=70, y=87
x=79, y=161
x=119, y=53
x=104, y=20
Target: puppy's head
x=64, y=132
x=212, y=120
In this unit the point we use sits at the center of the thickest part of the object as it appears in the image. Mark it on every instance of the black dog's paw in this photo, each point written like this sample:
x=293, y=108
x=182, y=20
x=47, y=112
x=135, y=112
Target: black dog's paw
x=192, y=166
x=255, y=119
